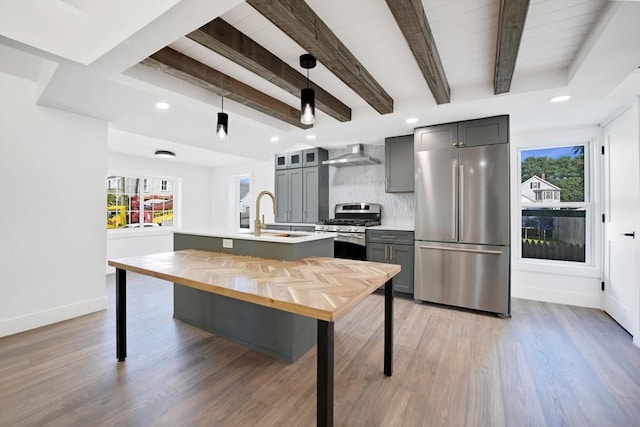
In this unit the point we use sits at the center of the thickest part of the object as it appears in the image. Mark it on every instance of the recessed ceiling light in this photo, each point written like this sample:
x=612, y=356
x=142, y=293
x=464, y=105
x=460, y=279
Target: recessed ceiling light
x=311, y=137
x=162, y=105
x=165, y=154
x=411, y=120
x=560, y=98
x=274, y=139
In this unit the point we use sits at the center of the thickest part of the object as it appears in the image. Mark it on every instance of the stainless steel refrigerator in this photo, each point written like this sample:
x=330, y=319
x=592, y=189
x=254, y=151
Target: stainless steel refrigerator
x=462, y=255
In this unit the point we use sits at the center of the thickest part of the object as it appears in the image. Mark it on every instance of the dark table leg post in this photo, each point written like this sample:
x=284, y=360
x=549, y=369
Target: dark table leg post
x=324, y=393
x=121, y=314
x=388, y=328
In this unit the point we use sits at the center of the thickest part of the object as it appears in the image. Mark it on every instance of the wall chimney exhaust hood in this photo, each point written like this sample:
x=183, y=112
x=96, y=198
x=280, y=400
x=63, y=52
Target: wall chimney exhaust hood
x=355, y=157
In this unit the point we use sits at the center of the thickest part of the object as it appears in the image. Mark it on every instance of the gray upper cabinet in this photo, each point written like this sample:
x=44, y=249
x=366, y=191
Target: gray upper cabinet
x=314, y=157
x=492, y=130
x=289, y=160
x=399, y=168
x=439, y=137
x=302, y=189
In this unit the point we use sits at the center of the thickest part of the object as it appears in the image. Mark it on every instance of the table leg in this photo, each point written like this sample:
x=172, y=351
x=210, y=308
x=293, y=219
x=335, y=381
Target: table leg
x=324, y=393
x=388, y=328
x=121, y=314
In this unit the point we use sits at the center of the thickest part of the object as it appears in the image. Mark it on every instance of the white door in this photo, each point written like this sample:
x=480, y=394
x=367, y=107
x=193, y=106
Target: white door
x=622, y=221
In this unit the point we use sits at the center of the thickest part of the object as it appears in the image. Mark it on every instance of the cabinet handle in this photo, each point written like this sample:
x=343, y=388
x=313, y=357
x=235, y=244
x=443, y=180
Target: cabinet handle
x=391, y=253
x=388, y=237
x=473, y=251
x=386, y=249
x=454, y=205
x=386, y=185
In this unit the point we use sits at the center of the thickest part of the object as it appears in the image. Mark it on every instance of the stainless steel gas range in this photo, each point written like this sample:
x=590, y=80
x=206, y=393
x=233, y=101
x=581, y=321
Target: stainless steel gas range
x=349, y=225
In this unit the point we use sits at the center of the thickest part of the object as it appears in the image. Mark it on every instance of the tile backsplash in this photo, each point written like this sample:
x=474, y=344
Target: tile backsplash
x=366, y=184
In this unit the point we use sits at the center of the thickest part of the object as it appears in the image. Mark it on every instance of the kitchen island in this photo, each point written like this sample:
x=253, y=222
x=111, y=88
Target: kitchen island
x=320, y=288
x=284, y=335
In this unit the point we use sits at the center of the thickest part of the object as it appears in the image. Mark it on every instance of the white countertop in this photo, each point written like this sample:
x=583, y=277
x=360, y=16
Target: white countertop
x=292, y=224
x=274, y=236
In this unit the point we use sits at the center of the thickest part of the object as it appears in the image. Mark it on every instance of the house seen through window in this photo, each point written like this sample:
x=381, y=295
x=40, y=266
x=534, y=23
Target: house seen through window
x=555, y=205
x=134, y=202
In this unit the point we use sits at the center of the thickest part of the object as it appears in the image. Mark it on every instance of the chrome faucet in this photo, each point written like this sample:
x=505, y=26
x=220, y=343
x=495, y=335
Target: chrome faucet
x=258, y=224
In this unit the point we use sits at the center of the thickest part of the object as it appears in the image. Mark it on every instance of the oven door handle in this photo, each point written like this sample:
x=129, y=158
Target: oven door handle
x=351, y=238
x=359, y=236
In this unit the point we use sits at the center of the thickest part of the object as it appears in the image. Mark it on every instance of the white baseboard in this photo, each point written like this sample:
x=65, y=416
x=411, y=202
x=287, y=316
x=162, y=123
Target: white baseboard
x=557, y=296
x=47, y=317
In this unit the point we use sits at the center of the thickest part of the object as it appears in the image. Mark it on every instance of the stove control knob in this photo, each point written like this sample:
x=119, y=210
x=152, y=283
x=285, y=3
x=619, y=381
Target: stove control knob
x=353, y=229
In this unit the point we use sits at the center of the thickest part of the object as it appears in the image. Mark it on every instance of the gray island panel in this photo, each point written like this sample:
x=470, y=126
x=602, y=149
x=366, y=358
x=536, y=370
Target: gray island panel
x=279, y=334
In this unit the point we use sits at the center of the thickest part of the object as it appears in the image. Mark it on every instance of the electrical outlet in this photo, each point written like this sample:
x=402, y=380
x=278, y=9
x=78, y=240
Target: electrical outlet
x=227, y=243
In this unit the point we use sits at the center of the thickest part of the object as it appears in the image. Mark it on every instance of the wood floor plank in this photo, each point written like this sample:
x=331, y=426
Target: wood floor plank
x=549, y=365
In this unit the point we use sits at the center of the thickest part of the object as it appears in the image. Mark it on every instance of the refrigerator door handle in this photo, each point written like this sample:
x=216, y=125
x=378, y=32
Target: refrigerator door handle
x=475, y=251
x=461, y=203
x=454, y=180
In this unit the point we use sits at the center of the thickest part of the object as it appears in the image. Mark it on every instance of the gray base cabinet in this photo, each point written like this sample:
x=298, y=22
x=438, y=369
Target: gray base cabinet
x=274, y=332
x=394, y=247
x=398, y=164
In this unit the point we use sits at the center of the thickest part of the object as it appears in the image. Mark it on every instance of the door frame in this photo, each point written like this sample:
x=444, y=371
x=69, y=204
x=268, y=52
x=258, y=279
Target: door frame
x=635, y=322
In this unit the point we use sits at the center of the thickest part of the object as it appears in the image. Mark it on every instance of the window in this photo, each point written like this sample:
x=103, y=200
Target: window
x=134, y=202
x=244, y=201
x=557, y=216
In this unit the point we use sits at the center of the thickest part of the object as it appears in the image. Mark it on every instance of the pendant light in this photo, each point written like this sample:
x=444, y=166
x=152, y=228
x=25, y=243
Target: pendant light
x=222, y=128
x=307, y=95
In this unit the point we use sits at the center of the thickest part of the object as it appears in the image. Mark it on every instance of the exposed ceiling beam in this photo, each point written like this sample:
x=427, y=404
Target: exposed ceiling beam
x=221, y=37
x=176, y=64
x=296, y=19
x=412, y=21
x=511, y=24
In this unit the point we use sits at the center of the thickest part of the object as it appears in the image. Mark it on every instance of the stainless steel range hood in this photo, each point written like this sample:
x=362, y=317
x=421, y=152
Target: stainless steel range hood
x=355, y=157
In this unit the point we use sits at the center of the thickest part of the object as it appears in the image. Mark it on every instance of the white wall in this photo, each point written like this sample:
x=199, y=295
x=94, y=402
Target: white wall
x=52, y=170
x=557, y=282
x=223, y=203
x=193, y=203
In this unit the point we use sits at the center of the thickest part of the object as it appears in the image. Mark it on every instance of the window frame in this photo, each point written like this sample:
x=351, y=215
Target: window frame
x=172, y=186
x=239, y=204
x=588, y=204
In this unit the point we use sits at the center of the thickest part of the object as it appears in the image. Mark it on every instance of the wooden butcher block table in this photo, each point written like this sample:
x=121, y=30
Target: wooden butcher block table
x=317, y=287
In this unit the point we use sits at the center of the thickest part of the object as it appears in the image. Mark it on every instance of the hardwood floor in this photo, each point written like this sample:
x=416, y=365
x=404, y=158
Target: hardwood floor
x=550, y=365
